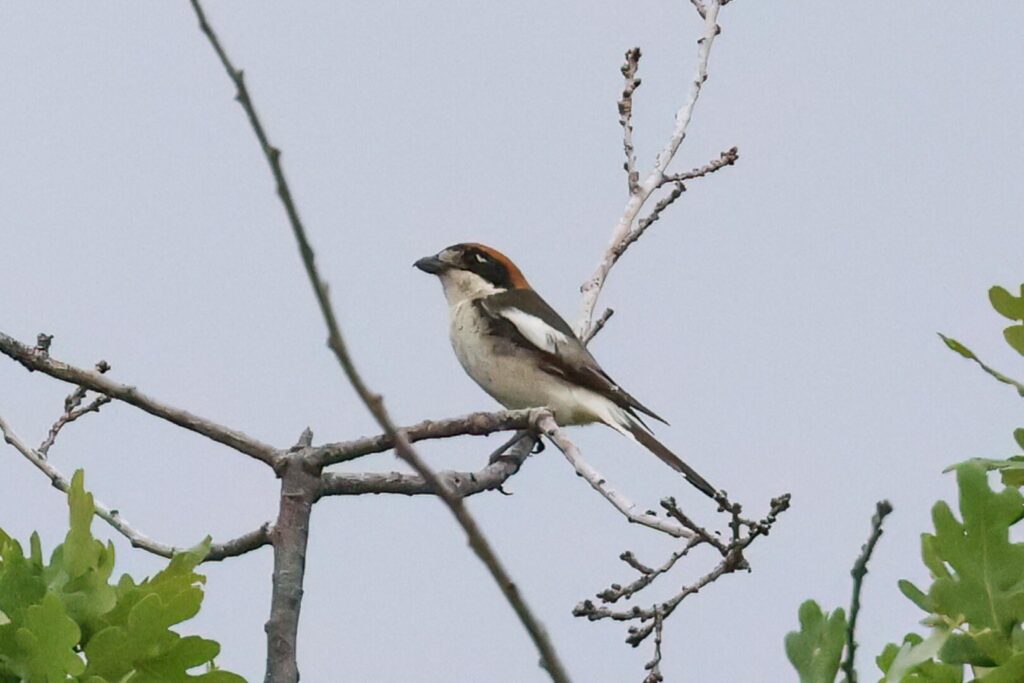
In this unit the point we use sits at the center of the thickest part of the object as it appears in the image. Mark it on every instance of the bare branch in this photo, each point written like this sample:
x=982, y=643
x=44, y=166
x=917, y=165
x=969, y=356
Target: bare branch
x=859, y=571
x=591, y=289
x=463, y=484
x=475, y=424
x=372, y=400
x=701, y=10
x=616, y=592
x=598, y=325
x=629, y=69
x=726, y=158
x=218, y=551
x=72, y=411
x=551, y=430
x=33, y=359
x=654, y=666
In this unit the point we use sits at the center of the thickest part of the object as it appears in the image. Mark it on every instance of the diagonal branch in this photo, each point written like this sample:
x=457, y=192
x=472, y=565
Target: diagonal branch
x=373, y=401
x=218, y=551
x=550, y=429
x=35, y=359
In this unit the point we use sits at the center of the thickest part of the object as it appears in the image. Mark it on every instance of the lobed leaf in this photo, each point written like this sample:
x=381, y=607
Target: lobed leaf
x=816, y=650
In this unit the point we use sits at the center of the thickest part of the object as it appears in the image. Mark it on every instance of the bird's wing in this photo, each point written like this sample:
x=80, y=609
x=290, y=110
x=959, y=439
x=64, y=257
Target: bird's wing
x=524, y=317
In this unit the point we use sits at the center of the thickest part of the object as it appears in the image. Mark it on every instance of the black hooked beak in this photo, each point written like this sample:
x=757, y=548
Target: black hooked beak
x=430, y=264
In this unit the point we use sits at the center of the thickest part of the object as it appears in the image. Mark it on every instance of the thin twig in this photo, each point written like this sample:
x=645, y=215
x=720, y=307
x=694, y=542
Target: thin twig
x=551, y=430
x=218, y=551
x=598, y=325
x=859, y=571
x=629, y=69
x=654, y=666
x=373, y=401
x=726, y=158
x=33, y=359
x=618, y=592
x=72, y=411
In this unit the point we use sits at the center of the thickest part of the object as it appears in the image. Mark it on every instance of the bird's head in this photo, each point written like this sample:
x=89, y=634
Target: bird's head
x=472, y=271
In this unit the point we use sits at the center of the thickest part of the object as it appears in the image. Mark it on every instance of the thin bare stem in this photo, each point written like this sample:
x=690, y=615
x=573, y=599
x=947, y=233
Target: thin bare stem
x=859, y=571
x=218, y=551
x=726, y=158
x=600, y=484
x=34, y=359
x=373, y=401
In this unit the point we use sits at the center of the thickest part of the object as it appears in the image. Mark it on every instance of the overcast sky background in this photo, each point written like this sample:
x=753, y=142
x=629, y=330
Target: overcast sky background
x=781, y=315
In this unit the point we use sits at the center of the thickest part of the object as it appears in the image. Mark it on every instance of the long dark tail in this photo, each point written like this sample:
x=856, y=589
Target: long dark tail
x=647, y=440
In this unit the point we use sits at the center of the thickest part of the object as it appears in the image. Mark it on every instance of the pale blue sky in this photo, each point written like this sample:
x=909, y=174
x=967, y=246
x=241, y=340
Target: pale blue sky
x=782, y=315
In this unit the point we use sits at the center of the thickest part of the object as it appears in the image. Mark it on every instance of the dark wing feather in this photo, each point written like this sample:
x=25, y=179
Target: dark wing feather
x=560, y=352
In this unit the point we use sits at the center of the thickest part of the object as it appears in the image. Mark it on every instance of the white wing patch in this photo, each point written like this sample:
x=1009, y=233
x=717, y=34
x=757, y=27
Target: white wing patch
x=536, y=331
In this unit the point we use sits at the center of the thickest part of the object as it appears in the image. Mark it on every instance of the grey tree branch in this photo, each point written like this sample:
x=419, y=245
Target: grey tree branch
x=218, y=551
x=859, y=571
x=726, y=158
x=732, y=561
x=374, y=402
x=462, y=484
x=72, y=411
x=599, y=483
x=592, y=287
x=474, y=423
x=36, y=359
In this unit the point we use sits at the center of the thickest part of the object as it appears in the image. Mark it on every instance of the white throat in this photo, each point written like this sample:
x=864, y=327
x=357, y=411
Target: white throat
x=462, y=285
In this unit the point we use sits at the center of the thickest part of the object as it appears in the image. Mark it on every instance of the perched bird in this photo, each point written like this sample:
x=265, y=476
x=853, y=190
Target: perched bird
x=522, y=353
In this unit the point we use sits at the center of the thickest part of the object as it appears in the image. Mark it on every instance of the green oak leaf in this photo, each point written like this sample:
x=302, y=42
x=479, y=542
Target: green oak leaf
x=81, y=550
x=47, y=640
x=1007, y=304
x=1014, y=336
x=1011, y=671
x=964, y=648
x=1010, y=469
x=983, y=579
x=1018, y=435
x=815, y=651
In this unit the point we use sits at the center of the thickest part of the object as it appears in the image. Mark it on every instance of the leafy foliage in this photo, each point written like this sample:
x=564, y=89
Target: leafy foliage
x=975, y=603
x=815, y=650
x=65, y=621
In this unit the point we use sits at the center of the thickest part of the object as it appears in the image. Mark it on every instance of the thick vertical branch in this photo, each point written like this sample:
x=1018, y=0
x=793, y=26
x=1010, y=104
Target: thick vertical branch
x=300, y=486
